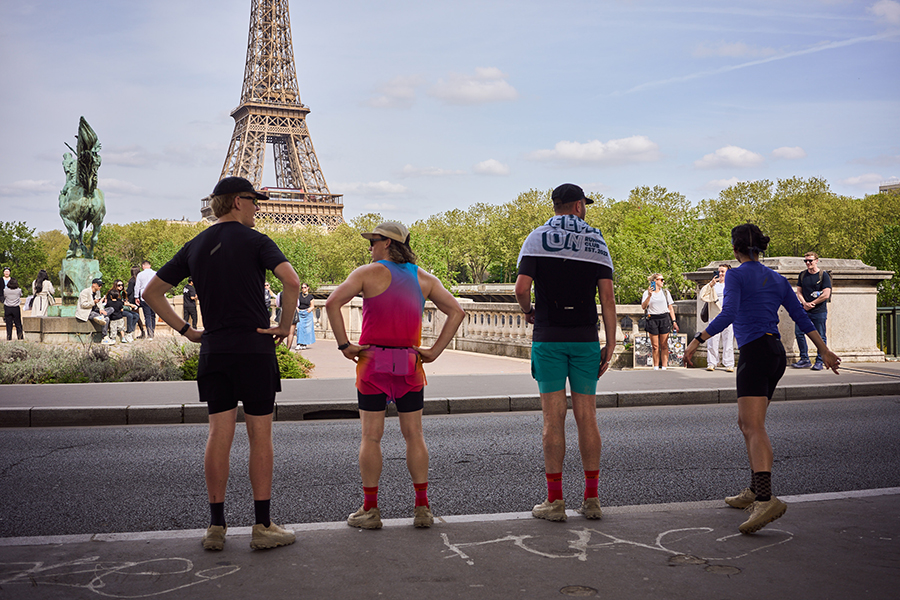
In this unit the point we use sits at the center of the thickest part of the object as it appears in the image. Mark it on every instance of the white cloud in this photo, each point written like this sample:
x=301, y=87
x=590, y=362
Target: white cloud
x=732, y=50
x=118, y=186
x=374, y=206
x=730, y=156
x=399, y=92
x=31, y=187
x=373, y=188
x=886, y=10
x=411, y=171
x=491, y=167
x=866, y=181
x=488, y=84
x=718, y=185
x=130, y=156
x=637, y=148
x=789, y=153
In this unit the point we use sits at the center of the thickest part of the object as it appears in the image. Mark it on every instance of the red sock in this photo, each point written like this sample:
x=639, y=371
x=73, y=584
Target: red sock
x=554, y=487
x=370, y=497
x=591, y=483
x=421, y=493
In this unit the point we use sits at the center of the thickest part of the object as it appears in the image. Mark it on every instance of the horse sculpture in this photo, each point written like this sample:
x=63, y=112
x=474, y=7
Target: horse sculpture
x=80, y=201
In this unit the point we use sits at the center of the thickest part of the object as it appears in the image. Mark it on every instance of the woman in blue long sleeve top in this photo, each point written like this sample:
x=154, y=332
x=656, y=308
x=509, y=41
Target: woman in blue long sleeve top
x=753, y=295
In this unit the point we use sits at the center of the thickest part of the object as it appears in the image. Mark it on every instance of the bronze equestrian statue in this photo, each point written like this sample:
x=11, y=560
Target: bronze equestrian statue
x=80, y=201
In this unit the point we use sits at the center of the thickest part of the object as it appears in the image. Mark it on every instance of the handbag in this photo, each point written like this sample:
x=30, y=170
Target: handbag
x=642, y=323
x=704, y=312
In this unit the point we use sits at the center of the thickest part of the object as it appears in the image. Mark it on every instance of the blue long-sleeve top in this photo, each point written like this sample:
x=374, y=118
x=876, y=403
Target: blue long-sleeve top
x=753, y=293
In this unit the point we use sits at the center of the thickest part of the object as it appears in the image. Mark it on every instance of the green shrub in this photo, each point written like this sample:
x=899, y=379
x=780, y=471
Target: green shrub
x=291, y=365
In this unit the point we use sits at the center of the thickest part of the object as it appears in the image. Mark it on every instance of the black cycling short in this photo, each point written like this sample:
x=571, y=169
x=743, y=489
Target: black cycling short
x=410, y=402
x=760, y=367
x=252, y=379
x=657, y=324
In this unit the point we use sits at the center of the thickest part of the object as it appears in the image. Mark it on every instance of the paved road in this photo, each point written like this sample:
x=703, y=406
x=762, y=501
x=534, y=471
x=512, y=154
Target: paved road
x=141, y=478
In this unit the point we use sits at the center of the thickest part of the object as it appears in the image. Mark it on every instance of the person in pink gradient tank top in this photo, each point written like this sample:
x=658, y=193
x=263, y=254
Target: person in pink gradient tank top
x=390, y=358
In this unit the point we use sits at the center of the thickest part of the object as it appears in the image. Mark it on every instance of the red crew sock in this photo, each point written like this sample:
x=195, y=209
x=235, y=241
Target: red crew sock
x=591, y=483
x=370, y=497
x=421, y=494
x=554, y=487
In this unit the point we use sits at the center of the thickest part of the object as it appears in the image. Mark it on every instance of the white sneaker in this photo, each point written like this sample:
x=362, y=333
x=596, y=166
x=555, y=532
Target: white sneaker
x=663, y=368
x=128, y=338
x=106, y=341
x=656, y=368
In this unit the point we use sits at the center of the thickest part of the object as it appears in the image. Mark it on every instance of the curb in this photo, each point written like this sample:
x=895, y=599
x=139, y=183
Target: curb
x=173, y=414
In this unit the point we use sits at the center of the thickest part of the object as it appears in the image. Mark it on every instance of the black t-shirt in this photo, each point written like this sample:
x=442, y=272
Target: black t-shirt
x=228, y=263
x=304, y=302
x=116, y=306
x=189, y=294
x=811, y=288
x=565, y=297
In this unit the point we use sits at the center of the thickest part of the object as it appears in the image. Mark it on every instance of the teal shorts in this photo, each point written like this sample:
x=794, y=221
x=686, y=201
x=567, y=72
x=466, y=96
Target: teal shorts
x=554, y=362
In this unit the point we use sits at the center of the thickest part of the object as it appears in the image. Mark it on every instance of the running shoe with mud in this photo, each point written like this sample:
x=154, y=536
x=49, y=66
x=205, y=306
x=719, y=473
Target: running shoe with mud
x=590, y=509
x=272, y=536
x=365, y=519
x=744, y=499
x=762, y=513
x=214, y=539
x=551, y=511
x=423, y=517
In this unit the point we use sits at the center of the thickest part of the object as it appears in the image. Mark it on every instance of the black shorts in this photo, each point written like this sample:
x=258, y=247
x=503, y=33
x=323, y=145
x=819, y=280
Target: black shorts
x=252, y=379
x=760, y=367
x=410, y=402
x=657, y=324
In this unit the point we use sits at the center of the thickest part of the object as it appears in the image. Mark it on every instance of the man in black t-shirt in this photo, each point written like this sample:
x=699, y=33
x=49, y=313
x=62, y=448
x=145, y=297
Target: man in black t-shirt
x=237, y=346
x=813, y=291
x=568, y=262
x=189, y=308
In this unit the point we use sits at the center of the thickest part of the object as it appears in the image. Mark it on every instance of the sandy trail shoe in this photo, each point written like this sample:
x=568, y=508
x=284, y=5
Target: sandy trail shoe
x=365, y=519
x=214, y=538
x=590, y=509
x=552, y=511
x=763, y=513
x=742, y=500
x=423, y=517
x=271, y=536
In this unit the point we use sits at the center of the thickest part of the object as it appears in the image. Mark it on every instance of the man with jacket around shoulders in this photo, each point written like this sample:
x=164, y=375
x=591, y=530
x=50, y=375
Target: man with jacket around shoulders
x=237, y=346
x=814, y=292
x=568, y=263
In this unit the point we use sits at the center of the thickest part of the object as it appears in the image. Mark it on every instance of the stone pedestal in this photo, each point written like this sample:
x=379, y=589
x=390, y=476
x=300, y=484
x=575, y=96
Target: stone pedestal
x=76, y=275
x=850, y=329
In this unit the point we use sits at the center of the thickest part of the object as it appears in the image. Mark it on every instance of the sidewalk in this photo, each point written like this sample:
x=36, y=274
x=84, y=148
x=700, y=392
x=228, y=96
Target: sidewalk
x=458, y=382
x=841, y=545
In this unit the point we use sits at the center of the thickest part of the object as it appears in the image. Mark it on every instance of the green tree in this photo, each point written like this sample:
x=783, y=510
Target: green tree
x=883, y=252
x=21, y=252
x=55, y=244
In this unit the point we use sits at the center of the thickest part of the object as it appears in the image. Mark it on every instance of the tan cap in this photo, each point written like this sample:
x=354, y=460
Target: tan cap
x=391, y=230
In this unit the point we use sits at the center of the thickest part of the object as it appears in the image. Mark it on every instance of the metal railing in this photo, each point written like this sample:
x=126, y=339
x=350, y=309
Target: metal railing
x=888, y=330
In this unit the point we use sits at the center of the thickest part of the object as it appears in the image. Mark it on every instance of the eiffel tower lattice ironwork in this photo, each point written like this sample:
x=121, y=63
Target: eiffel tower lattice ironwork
x=271, y=112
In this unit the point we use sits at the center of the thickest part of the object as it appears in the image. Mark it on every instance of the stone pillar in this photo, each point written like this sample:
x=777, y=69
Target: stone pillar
x=850, y=329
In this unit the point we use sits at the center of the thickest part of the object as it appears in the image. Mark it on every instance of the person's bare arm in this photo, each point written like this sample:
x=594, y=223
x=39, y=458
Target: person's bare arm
x=608, y=314
x=290, y=292
x=448, y=305
x=338, y=298
x=154, y=294
x=523, y=296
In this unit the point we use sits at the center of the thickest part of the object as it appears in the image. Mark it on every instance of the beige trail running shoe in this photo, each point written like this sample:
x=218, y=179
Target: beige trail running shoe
x=590, y=509
x=742, y=500
x=214, y=539
x=423, y=517
x=763, y=513
x=271, y=536
x=552, y=511
x=365, y=519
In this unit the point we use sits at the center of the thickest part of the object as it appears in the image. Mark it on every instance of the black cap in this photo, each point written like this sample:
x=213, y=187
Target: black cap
x=569, y=192
x=234, y=185
x=97, y=281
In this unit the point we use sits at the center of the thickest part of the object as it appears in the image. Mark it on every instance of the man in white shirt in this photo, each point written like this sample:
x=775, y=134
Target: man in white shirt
x=140, y=284
x=714, y=293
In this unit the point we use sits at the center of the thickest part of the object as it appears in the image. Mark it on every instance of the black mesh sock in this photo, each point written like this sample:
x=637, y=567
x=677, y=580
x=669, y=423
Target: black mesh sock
x=752, y=483
x=762, y=483
x=262, y=511
x=217, y=513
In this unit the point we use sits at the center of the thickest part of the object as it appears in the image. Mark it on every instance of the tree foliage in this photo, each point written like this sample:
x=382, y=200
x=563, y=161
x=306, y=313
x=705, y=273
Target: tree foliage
x=884, y=252
x=21, y=252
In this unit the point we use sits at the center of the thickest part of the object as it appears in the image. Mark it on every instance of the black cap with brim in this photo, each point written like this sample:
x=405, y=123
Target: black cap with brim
x=235, y=185
x=569, y=192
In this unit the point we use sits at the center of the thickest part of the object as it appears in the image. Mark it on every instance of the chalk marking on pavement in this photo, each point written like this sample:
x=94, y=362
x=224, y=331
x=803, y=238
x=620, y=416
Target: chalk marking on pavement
x=98, y=573
x=582, y=544
x=449, y=519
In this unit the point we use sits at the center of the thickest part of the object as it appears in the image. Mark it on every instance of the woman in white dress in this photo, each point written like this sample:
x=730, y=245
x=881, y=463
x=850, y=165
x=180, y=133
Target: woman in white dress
x=43, y=294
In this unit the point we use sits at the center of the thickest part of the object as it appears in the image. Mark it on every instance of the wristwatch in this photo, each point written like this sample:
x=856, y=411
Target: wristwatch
x=699, y=337
x=184, y=329
x=344, y=346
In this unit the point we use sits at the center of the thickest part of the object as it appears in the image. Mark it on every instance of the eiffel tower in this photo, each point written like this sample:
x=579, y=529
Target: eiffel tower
x=271, y=112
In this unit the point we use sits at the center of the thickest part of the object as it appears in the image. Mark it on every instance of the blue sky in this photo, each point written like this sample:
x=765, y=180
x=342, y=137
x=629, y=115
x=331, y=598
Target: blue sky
x=421, y=107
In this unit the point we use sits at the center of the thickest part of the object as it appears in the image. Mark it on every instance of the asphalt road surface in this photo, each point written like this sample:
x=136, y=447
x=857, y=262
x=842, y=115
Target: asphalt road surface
x=140, y=478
